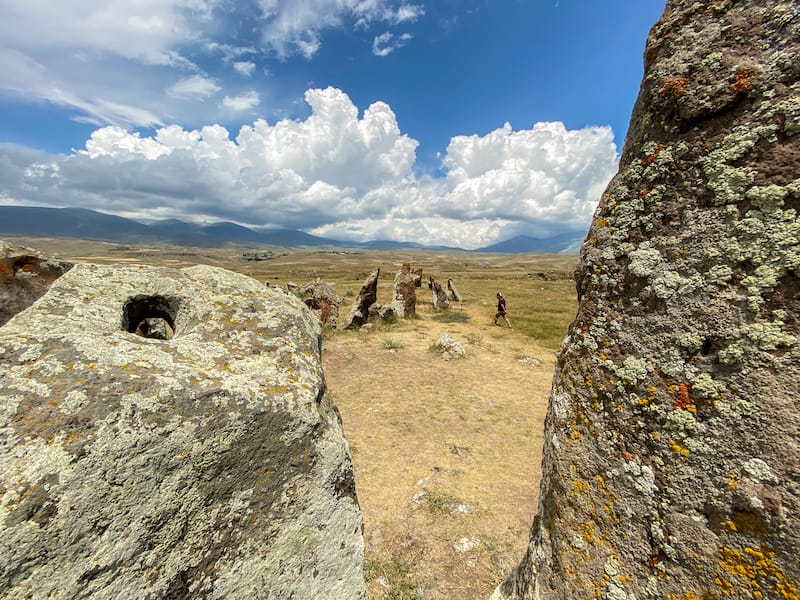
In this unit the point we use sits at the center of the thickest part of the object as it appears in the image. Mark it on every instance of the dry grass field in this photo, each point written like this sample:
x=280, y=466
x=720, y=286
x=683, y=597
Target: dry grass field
x=446, y=453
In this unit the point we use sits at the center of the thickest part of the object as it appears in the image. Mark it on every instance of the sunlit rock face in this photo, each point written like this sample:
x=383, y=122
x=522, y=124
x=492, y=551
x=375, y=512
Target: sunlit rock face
x=165, y=434
x=672, y=457
x=25, y=274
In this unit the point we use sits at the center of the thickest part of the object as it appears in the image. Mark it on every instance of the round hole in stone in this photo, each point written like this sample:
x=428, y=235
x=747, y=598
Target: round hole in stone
x=150, y=316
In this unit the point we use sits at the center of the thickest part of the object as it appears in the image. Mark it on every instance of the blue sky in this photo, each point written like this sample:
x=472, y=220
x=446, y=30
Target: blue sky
x=459, y=122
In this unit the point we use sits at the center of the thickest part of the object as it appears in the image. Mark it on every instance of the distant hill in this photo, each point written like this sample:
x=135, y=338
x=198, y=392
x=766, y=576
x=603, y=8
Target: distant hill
x=565, y=243
x=83, y=224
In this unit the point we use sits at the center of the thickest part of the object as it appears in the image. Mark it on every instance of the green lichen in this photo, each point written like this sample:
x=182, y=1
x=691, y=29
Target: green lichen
x=703, y=386
x=769, y=336
x=731, y=355
x=670, y=283
x=719, y=274
x=729, y=183
x=644, y=260
x=768, y=197
x=634, y=370
x=691, y=342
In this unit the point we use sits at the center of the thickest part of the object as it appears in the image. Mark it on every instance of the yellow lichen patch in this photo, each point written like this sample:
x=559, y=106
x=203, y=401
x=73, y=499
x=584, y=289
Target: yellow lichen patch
x=733, y=481
x=677, y=448
x=755, y=571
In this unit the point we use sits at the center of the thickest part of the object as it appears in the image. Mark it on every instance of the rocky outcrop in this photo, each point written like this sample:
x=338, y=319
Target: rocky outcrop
x=323, y=299
x=405, y=293
x=671, y=466
x=208, y=465
x=359, y=311
x=25, y=274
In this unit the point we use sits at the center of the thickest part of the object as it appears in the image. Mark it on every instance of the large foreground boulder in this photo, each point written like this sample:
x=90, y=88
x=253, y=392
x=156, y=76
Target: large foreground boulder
x=208, y=465
x=671, y=466
x=25, y=274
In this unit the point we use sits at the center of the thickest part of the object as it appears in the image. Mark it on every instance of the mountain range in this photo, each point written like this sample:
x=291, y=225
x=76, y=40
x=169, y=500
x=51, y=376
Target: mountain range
x=80, y=223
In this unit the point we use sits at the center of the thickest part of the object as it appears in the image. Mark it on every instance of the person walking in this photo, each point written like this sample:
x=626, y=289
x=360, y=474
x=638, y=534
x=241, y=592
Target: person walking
x=501, y=310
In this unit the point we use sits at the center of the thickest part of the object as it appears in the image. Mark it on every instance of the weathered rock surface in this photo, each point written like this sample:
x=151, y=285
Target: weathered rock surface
x=449, y=347
x=323, y=299
x=671, y=466
x=359, y=311
x=210, y=465
x=405, y=293
x=25, y=274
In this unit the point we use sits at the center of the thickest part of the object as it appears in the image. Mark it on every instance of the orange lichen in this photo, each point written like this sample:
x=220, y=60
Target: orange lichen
x=744, y=80
x=651, y=158
x=645, y=191
x=683, y=399
x=674, y=86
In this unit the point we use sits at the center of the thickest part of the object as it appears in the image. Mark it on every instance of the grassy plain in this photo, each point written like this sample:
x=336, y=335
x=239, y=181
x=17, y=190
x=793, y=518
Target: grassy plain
x=446, y=453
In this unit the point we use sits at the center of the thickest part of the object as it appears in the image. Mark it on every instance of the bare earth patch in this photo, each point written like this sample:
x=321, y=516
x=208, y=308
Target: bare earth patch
x=446, y=453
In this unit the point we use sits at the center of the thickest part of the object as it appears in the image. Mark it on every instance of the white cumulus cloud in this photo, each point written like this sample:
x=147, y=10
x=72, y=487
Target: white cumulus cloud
x=244, y=67
x=339, y=172
x=194, y=87
x=242, y=102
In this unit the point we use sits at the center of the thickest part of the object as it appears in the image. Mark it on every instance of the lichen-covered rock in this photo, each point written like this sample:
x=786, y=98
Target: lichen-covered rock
x=25, y=274
x=671, y=466
x=449, y=347
x=209, y=465
x=324, y=300
x=360, y=310
x=404, y=303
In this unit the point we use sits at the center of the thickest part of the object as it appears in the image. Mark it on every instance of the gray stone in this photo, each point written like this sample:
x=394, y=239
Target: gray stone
x=25, y=274
x=209, y=465
x=449, y=347
x=671, y=464
x=367, y=296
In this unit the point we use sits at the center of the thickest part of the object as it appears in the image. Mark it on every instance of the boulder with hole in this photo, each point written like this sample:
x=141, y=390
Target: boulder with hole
x=165, y=433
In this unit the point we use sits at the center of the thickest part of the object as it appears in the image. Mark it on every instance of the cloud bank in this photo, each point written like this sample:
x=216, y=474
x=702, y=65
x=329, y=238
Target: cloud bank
x=336, y=173
x=150, y=62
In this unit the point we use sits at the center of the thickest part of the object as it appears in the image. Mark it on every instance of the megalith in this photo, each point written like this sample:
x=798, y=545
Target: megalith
x=359, y=313
x=323, y=299
x=207, y=465
x=25, y=274
x=671, y=465
x=405, y=293
x=452, y=291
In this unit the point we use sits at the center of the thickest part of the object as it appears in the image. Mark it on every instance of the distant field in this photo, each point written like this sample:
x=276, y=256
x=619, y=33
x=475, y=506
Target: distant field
x=446, y=453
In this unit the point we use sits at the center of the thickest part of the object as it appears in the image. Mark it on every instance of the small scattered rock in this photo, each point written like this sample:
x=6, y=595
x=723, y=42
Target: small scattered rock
x=449, y=348
x=465, y=544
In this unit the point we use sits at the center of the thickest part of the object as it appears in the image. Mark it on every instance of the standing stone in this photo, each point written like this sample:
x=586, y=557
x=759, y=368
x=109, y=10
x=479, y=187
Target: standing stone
x=323, y=299
x=452, y=291
x=359, y=312
x=440, y=301
x=25, y=274
x=671, y=465
x=209, y=465
x=405, y=293
x=417, y=277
